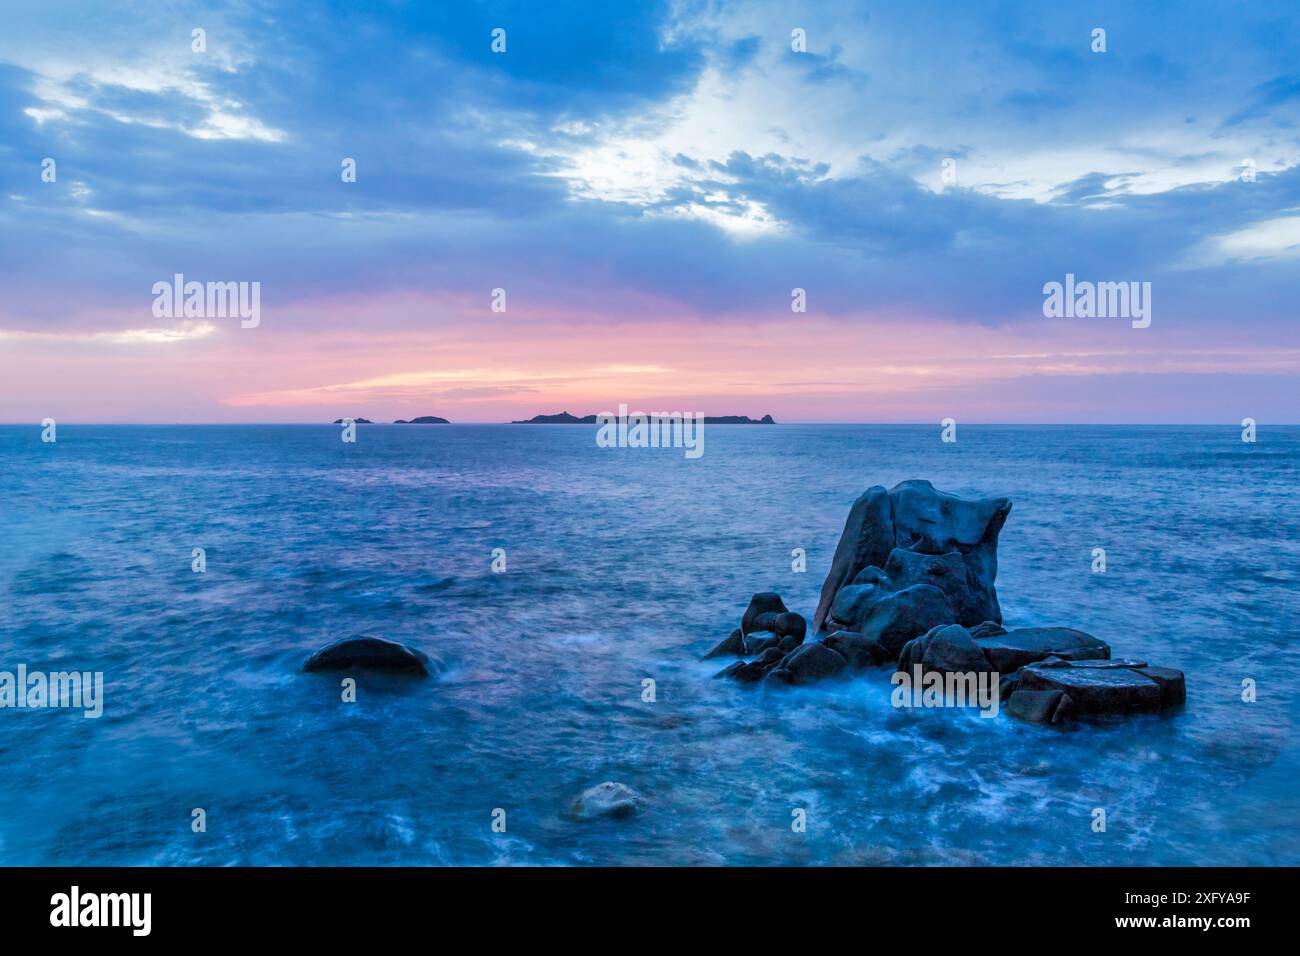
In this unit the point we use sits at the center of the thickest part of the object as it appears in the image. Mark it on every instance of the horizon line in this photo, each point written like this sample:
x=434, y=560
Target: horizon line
x=895, y=424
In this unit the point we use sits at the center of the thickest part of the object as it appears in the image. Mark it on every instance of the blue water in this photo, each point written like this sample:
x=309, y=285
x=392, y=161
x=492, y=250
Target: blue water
x=622, y=564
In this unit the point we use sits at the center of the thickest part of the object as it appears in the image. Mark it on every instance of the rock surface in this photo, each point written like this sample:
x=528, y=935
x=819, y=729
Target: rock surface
x=948, y=649
x=898, y=617
x=812, y=662
x=915, y=517
x=731, y=646
x=371, y=653
x=609, y=799
x=1095, y=691
x=861, y=652
x=1026, y=645
x=765, y=602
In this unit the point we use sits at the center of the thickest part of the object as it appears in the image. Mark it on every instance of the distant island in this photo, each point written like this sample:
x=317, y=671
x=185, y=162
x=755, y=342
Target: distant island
x=423, y=420
x=359, y=421
x=564, y=418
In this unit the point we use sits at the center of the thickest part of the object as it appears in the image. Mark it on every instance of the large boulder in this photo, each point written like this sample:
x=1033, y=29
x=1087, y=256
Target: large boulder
x=1096, y=690
x=1026, y=645
x=914, y=517
x=898, y=617
x=371, y=653
x=948, y=649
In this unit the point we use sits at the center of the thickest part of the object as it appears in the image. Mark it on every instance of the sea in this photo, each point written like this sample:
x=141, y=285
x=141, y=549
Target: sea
x=577, y=659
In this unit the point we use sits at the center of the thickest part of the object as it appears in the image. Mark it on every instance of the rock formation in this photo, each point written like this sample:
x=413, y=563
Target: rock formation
x=912, y=585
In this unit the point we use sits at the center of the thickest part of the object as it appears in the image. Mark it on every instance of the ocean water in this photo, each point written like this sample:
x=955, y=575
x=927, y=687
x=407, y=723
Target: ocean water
x=622, y=564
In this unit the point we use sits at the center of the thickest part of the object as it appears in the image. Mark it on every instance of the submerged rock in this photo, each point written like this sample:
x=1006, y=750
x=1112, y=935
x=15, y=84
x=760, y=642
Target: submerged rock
x=609, y=799
x=898, y=617
x=371, y=653
x=1014, y=649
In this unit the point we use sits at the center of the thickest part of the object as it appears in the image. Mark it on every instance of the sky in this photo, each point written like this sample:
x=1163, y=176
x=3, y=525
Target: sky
x=649, y=183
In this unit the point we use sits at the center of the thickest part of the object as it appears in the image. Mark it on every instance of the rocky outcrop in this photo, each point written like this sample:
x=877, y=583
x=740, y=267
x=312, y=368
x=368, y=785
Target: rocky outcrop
x=610, y=799
x=371, y=653
x=916, y=519
x=912, y=584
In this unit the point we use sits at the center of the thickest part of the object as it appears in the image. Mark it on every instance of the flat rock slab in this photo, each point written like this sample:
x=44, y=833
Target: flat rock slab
x=1096, y=690
x=371, y=653
x=1026, y=645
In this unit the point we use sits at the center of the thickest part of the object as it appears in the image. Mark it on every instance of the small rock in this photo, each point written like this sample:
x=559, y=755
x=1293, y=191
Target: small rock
x=371, y=653
x=812, y=662
x=791, y=624
x=608, y=799
x=731, y=646
x=759, y=641
x=1039, y=706
x=761, y=603
x=948, y=649
x=1007, y=685
x=987, y=629
x=861, y=652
